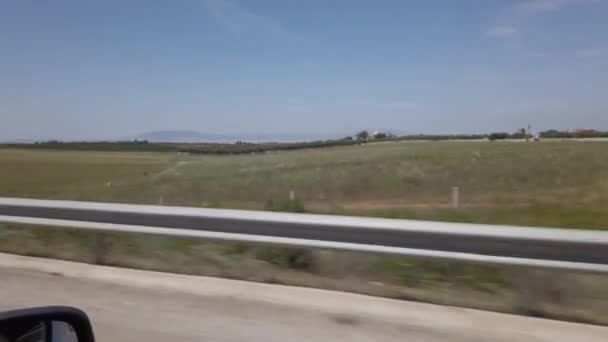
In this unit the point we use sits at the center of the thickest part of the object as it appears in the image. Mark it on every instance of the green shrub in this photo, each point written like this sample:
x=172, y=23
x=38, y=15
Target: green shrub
x=289, y=206
x=287, y=257
x=235, y=248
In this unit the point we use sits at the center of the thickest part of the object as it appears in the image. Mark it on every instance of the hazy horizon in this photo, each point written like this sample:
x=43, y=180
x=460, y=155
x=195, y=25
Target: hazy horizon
x=110, y=70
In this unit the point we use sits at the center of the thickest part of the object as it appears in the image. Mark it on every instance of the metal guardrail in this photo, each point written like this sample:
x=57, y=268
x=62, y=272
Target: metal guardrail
x=525, y=246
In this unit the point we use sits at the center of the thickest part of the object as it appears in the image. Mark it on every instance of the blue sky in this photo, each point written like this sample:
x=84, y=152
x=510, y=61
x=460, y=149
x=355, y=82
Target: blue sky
x=109, y=69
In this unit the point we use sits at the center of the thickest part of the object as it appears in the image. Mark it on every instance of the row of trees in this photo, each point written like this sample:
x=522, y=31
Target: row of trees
x=135, y=145
x=552, y=133
x=588, y=133
x=244, y=148
x=365, y=135
x=241, y=147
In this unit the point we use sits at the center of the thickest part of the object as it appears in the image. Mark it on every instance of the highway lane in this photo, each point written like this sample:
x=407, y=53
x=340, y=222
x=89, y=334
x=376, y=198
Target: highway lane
x=128, y=305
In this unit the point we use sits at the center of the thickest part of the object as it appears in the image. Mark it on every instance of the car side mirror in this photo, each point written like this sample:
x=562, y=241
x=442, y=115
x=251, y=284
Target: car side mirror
x=46, y=324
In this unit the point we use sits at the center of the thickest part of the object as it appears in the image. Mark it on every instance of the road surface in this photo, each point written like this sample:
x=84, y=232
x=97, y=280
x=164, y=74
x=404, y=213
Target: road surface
x=132, y=305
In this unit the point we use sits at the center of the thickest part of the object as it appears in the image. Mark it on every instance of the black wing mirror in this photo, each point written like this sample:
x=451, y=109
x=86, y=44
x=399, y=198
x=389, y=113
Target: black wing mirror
x=47, y=324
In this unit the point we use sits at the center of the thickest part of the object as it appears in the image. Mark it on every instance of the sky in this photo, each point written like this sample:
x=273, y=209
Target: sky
x=85, y=69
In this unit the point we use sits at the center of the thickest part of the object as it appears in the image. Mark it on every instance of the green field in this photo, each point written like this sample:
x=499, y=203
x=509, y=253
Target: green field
x=561, y=184
x=554, y=184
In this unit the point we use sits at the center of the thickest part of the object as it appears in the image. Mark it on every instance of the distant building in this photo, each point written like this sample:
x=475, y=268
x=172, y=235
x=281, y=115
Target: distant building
x=580, y=130
x=372, y=135
x=369, y=136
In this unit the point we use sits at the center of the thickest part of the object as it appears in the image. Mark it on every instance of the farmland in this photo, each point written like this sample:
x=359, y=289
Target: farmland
x=555, y=184
x=552, y=183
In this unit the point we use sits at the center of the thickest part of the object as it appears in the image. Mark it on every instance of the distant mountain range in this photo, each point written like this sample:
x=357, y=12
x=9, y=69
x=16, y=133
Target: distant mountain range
x=185, y=136
x=18, y=141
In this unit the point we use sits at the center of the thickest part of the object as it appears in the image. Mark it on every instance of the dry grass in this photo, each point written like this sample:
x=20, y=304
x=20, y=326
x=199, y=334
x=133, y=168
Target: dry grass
x=393, y=175
x=561, y=184
x=560, y=295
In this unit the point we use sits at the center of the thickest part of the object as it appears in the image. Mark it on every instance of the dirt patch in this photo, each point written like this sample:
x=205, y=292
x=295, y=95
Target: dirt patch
x=346, y=319
x=399, y=204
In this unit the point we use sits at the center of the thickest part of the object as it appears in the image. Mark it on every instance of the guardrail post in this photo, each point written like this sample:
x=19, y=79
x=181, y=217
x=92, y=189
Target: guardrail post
x=292, y=195
x=455, y=197
x=100, y=248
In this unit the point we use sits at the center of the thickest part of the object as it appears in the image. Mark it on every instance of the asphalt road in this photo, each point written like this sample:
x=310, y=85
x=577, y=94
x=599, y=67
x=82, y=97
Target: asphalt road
x=129, y=305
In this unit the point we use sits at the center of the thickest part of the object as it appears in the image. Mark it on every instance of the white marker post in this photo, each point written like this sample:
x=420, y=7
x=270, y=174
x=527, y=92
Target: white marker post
x=292, y=195
x=455, y=197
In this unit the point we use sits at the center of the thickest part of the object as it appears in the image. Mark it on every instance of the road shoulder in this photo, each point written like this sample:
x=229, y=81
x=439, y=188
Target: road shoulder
x=345, y=306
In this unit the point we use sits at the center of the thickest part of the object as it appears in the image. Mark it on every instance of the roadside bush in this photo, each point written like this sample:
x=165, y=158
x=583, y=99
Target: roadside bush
x=235, y=248
x=535, y=290
x=286, y=205
x=293, y=258
x=499, y=136
x=419, y=272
